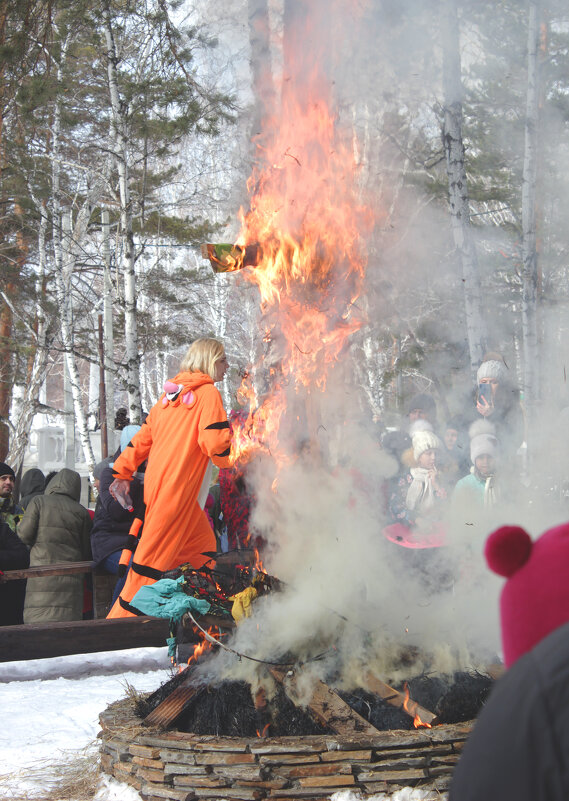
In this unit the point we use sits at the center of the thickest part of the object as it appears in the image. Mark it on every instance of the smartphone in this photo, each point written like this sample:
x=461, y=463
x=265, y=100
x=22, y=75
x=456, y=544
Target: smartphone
x=485, y=391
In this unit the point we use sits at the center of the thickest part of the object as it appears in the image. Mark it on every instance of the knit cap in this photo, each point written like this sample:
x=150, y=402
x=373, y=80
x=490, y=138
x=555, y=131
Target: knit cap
x=100, y=466
x=424, y=440
x=535, y=598
x=6, y=470
x=127, y=434
x=483, y=440
x=491, y=369
x=423, y=402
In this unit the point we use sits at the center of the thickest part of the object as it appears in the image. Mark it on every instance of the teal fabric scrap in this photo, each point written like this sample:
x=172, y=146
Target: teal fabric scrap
x=166, y=598
x=172, y=644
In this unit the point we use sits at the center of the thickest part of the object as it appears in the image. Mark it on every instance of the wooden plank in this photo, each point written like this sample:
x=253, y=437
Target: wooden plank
x=170, y=709
x=398, y=699
x=326, y=706
x=58, y=569
x=41, y=641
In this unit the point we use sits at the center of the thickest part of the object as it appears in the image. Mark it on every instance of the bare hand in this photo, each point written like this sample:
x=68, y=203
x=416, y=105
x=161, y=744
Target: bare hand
x=119, y=489
x=484, y=408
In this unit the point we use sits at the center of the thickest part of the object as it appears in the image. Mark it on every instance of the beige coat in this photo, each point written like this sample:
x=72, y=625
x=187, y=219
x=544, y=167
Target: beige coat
x=56, y=528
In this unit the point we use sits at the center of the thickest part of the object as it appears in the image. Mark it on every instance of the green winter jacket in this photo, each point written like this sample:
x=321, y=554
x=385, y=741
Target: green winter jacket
x=56, y=528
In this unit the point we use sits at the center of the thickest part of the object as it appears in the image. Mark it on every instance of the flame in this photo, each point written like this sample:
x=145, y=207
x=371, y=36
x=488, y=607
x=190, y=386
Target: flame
x=204, y=644
x=264, y=731
x=411, y=708
x=259, y=563
x=307, y=222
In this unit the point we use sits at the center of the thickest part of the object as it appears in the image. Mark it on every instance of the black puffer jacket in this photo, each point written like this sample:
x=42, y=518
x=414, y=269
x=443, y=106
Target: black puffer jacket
x=14, y=555
x=519, y=748
x=111, y=523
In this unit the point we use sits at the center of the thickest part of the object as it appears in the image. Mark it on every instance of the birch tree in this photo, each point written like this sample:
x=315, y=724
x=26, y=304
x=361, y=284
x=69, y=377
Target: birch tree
x=529, y=249
x=119, y=138
x=42, y=335
x=458, y=184
x=67, y=237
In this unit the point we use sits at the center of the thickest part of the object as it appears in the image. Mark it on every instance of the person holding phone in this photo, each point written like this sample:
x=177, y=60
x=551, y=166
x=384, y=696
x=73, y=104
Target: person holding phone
x=498, y=401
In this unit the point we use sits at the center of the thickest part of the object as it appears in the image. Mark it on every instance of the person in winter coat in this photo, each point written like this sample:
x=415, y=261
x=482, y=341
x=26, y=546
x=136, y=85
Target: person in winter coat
x=10, y=511
x=235, y=504
x=479, y=488
x=182, y=434
x=56, y=528
x=32, y=484
x=519, y=747
x=417, y=492
x=498, y=401
x=112, y=522
x=13, y=556
x=454, y=461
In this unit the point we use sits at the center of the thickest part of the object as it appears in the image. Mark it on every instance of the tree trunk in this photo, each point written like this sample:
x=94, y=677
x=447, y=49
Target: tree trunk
x=36, y=378
x=120, y=137
x=458, y=188
x=108, y=334
x=261, y=69
x=531, y=382
x=64, y=243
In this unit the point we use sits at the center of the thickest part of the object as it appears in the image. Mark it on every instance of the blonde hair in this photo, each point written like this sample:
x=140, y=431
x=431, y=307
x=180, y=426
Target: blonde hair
x=202, y=356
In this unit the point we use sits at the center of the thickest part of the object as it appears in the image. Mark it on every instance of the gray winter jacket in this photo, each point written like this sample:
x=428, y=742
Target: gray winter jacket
x=56, y=528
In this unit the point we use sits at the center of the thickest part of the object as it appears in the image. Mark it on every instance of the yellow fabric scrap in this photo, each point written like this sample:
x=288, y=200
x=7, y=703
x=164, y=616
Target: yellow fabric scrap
x=242, y=603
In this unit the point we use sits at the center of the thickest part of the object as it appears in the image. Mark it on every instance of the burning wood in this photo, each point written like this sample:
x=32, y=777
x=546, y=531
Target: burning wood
x=179, y=693
x=325, y=705
x=166, y=713
x=420, y=715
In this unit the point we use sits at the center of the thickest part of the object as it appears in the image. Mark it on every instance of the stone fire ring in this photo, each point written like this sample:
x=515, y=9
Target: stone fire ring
x=175, y=765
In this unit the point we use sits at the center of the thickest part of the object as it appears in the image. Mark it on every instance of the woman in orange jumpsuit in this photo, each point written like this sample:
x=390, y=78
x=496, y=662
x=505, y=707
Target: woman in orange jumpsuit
x=184, y=432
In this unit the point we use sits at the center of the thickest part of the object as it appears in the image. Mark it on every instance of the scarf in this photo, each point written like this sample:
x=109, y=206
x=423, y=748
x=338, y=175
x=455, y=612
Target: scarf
x=420, y=493
x=491, y=491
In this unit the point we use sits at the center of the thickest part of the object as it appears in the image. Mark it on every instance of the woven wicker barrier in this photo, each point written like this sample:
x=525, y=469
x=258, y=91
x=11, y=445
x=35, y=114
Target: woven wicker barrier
x=176, y=765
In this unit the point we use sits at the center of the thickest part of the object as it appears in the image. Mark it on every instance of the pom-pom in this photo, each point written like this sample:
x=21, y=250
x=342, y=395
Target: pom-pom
x=480, y=427
x=507, y=549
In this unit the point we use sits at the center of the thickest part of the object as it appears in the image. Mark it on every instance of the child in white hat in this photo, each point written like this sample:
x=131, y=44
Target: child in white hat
x=479, y=487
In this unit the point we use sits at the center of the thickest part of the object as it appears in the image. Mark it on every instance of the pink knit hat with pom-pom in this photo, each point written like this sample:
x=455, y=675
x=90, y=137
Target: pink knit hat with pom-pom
x=535, y=597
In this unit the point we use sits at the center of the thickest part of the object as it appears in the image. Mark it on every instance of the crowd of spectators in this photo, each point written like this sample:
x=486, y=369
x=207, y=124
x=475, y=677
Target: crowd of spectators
x=462, y=468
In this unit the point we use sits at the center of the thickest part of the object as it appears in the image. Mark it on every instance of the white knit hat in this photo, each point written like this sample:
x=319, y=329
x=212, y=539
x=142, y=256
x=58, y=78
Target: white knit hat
x=491, y=369
x=483, y=440
x=424, y=441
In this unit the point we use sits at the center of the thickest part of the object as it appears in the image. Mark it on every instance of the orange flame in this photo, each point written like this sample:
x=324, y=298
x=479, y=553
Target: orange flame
x=411, y=708
x=259, y=563
x=264, y=731
x=307, y=221
x=203, y=645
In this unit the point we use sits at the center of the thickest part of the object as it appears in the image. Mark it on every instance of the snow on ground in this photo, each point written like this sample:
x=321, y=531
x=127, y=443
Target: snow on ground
x=50, y=720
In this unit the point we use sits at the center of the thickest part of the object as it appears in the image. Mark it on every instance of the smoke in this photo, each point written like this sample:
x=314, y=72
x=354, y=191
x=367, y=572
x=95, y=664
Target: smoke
x=352, y=600
x=351, y=597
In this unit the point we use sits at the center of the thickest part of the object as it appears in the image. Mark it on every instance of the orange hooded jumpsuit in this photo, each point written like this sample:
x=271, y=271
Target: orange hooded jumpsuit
x=182, y=432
